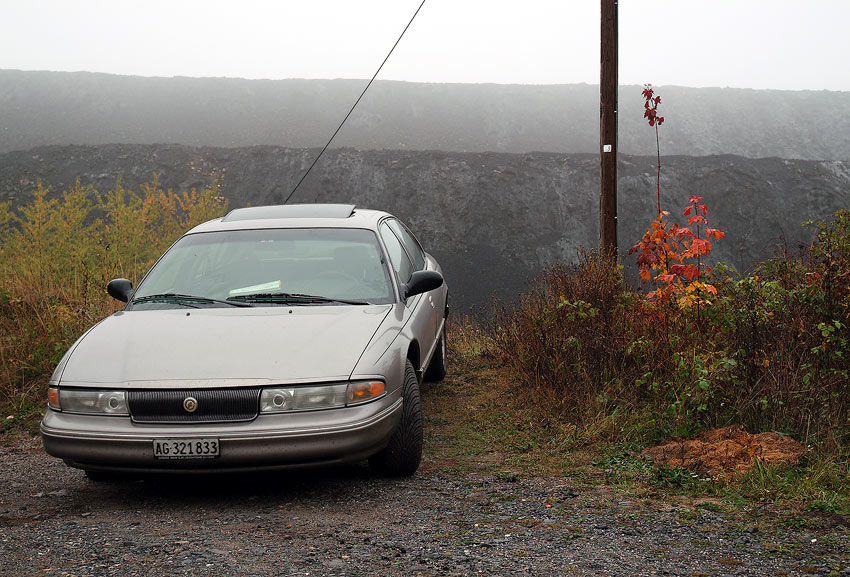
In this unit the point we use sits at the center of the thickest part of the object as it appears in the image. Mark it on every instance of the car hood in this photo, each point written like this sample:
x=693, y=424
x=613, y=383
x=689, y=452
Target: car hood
x=223, y=347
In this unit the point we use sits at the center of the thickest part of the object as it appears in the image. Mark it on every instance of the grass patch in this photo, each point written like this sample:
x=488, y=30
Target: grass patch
x=479, y=420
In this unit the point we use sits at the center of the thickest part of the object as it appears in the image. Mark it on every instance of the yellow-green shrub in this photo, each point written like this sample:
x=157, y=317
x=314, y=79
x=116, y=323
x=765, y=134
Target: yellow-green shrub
x=56, y=255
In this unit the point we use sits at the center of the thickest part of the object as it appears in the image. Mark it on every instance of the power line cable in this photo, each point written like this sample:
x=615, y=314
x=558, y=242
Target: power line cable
x=338, y=128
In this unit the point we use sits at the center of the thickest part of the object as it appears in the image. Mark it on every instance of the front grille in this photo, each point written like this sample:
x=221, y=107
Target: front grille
x=213, y=405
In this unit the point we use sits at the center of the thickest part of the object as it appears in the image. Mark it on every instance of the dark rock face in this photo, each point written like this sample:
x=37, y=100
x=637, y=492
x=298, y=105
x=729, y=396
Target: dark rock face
x=492, y=219
x=60, y=108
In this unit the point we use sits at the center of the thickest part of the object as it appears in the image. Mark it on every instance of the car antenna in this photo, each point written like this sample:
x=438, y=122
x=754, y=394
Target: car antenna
x=355, y=103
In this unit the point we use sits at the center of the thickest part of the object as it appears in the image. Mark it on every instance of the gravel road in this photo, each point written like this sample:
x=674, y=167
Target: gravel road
x=343, y=522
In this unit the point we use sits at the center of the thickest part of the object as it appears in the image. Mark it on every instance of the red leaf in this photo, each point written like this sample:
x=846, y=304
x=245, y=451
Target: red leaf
x=718, y=234
x=691, y=272
x=700, y=247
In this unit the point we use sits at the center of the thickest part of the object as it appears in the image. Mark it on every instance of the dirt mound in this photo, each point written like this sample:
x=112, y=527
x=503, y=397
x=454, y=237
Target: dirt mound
x=729, y=448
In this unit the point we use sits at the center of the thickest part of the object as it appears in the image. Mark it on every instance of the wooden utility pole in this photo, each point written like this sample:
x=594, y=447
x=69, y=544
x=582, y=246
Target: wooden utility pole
x=608, y=129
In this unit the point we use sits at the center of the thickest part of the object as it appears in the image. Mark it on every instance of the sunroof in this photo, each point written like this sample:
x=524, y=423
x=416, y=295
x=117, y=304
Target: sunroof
x=290, y=211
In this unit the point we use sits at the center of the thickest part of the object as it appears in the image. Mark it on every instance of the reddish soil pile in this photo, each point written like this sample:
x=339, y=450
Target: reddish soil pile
x=730, y=448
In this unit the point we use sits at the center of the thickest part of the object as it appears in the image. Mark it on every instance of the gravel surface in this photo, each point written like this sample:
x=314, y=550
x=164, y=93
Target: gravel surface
x=53, y=521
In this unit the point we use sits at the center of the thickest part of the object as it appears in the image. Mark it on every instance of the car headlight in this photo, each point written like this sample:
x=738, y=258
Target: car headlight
x=285, y=399
x=90, y=402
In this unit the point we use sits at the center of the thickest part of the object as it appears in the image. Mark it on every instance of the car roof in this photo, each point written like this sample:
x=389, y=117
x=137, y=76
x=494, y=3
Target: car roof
x=294, y=216
x=290, y=211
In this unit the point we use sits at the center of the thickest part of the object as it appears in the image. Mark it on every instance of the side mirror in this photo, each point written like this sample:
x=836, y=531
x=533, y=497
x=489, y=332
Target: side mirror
x=120, y=289
x=422, y=281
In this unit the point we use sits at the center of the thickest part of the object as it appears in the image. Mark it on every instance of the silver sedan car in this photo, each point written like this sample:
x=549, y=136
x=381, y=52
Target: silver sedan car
x=275, y=336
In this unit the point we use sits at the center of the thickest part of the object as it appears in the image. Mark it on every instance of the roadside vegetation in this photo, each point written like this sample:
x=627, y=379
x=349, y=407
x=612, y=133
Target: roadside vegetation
x=770, y=350
x=575, y=378
x=56, y=256
x=608, y=367
x=590, y=366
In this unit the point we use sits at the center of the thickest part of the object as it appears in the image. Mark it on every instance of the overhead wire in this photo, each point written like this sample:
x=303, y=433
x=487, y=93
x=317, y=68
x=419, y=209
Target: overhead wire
x=338, y=128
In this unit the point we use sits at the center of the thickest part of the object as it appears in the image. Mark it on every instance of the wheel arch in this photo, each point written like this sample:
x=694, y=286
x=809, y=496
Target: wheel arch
x=414, y=356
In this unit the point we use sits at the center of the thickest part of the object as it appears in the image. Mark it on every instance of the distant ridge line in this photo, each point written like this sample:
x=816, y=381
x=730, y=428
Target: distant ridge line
x=44, y=108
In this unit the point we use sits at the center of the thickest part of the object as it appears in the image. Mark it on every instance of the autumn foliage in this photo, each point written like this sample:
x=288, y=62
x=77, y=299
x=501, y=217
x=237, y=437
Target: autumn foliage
x=669, y=254
x=673, y=256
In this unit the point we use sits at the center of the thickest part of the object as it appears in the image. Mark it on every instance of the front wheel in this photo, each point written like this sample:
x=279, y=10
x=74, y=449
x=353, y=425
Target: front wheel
x=401, y=457
x=438, y=367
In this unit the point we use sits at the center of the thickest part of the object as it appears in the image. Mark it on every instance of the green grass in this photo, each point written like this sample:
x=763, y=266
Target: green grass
x=479, y=421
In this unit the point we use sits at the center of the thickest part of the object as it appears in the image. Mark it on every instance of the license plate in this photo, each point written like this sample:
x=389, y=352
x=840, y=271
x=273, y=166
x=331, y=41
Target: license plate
x=185, y=448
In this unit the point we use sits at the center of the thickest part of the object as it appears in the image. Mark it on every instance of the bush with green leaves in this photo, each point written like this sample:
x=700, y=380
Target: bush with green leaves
x=770, y=350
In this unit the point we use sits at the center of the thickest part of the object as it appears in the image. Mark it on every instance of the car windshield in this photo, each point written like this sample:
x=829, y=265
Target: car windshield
x=268, y=267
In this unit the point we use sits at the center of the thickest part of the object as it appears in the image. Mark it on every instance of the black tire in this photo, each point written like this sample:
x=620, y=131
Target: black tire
x=438, y=368
x=401, y=457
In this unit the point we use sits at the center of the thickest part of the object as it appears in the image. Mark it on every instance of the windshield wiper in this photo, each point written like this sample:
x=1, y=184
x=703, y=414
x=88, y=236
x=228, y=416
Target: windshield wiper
x=292, y=298
x=187, y=300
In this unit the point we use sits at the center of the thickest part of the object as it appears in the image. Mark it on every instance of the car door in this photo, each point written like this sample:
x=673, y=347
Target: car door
x=426, y=312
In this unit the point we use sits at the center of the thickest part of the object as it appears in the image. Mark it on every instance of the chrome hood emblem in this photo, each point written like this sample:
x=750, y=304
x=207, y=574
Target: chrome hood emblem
x=190, y=404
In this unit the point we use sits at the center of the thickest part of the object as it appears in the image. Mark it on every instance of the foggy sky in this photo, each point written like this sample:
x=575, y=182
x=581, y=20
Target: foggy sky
x=777, y=44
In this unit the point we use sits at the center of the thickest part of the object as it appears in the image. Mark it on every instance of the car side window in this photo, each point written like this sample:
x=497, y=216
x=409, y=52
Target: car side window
x=410, y=244
x=398, y=257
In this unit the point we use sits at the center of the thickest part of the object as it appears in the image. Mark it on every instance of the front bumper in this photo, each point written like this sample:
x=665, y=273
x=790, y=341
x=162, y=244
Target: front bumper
x=344, y=435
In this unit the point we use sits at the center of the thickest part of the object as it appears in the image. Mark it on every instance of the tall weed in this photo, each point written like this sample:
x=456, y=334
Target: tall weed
x=566, y=338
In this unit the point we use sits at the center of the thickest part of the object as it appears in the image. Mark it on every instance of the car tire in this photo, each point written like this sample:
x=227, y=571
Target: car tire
x=401, y=457
x=438, y=368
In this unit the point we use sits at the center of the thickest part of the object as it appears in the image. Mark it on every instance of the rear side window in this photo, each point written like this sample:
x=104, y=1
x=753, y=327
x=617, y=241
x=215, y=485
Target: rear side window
x=398, y=257
x=410, y=244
